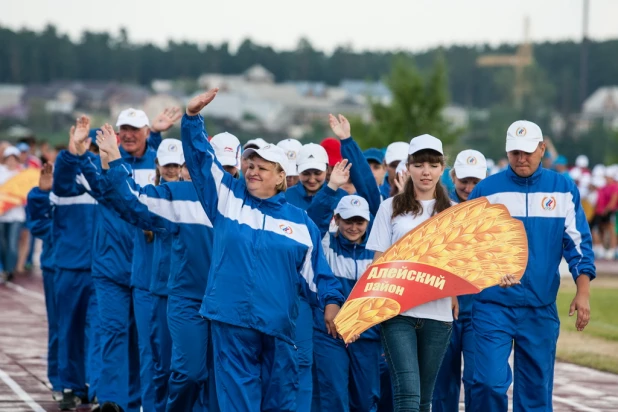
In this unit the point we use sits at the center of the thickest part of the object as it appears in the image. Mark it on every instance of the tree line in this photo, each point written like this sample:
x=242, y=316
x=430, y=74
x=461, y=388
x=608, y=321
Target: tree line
x=28, y=57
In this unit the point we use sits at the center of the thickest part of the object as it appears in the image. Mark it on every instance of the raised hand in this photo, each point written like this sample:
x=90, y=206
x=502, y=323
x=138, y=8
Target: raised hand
x=340, y=174
x=108, y=145
x=166, y=119
x=47, y=177
x=71, y=145
x=340, y=126
x=79, y=136
x=401, y=179
x=195, y=105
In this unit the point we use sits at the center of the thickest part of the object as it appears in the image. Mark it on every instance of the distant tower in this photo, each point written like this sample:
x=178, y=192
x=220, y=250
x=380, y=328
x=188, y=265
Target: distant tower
x=519, y=61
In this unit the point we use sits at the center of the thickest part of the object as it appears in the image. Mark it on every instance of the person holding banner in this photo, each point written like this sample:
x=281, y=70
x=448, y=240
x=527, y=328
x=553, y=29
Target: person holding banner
x=469, y=169
x=415, y=341
x=266, y=251
x=347, y=378
x=525, y=317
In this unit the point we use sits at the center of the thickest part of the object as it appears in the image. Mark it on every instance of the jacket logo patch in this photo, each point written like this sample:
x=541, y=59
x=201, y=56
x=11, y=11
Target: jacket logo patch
x=548, y=203
x=151, y=178
x=286, y=229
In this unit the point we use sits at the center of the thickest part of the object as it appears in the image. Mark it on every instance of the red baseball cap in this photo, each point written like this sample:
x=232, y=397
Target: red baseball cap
x=333, y=149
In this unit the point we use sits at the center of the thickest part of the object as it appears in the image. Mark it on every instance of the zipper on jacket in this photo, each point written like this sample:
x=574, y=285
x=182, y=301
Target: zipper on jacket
x=355, y=262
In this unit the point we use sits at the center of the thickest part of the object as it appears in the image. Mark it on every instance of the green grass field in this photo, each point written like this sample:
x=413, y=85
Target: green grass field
x=597, y=346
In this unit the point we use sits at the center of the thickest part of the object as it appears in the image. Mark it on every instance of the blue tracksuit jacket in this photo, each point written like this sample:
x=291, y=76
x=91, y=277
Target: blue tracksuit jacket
x=264, y=249
x=549, y=206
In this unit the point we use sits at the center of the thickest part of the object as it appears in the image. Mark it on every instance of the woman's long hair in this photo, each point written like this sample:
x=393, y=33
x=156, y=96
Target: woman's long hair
x=406, y=202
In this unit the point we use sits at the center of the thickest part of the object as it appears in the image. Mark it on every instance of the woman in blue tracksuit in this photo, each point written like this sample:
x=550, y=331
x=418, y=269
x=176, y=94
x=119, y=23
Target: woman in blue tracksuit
x=171, y=210
x=470, y=168
x=347, y=378
x=265, y=250
x=39, y=220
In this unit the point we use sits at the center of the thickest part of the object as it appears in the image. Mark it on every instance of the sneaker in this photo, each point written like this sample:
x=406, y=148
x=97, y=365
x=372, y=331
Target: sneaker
x=111, y=407
x=57, y=395
x=68, y=401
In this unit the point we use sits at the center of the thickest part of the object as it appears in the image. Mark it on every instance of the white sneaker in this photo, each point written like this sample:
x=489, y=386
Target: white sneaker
x=610, y=254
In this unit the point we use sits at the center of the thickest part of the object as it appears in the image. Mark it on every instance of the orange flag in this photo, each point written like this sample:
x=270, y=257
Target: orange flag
x=15, y=190
x=463, y=250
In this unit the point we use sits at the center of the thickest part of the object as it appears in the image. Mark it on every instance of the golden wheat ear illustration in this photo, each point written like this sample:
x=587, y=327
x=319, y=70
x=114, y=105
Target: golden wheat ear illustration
x=462, y=250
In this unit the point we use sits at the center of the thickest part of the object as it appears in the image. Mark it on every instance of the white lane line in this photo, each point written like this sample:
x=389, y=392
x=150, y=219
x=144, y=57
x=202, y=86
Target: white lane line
x=574, y=404
x=20, y=392
x=27, y=292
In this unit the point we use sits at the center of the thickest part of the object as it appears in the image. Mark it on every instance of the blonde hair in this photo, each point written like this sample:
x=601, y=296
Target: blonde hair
x=281, y=187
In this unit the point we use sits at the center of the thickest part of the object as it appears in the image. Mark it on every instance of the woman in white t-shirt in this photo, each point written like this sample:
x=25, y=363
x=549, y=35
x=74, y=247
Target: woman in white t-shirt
x=12, y=220
x=415, y=341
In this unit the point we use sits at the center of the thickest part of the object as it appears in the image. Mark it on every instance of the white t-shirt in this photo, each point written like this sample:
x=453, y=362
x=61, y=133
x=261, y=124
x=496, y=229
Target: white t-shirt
x=387, y=231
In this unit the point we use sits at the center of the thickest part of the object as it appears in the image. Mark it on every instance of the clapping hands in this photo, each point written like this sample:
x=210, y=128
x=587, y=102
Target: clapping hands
x=108, y=145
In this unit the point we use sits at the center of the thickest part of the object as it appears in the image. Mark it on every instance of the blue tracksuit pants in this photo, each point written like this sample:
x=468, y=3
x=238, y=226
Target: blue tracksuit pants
x=52, y=331
x=386, y=387
x=533, y=333
x=142, y=307
x=304, y=343
x=73, y=291
x=161, y=347
x=93, y=359
x=448, y=382
x=119, y=378
x=188, y=382
x=253, y=371
x=346, y=379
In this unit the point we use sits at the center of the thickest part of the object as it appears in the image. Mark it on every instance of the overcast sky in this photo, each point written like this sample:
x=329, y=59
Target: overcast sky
x=387, y=24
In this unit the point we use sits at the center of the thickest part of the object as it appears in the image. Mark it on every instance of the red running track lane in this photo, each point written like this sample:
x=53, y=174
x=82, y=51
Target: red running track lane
x=23, y=346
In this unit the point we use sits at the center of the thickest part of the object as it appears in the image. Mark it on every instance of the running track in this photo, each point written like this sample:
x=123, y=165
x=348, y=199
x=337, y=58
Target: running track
x=24, y=387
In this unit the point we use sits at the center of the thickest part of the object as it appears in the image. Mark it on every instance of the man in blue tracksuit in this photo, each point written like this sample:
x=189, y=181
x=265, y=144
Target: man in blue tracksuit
x=173, y=208
x=549, y=206
x=73, y=226
x=39, y=212
x=116, y=245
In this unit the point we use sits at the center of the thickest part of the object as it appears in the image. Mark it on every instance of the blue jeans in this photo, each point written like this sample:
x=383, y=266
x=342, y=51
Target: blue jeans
x=9, y=239
x=414, y=349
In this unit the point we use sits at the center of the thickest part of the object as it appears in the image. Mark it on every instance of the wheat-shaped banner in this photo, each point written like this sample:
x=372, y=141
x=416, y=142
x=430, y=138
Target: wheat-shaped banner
x=462, y=250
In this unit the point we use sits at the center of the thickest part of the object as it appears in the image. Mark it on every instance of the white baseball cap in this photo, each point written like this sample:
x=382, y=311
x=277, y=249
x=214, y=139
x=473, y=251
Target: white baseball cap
x=396, y=151
x=170, y=152
x=291, y=147
x=132, y=117
x=470, y=163
x=581, y=161
x=11, y=151
x=351, y=206
x=425, y=142
x=270, y=152
x=598, y=170
x=524, y=136
x=259, y=142
x=227, y=149
x=312, y=156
